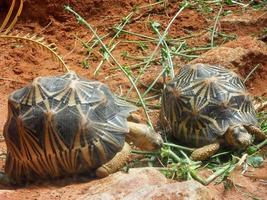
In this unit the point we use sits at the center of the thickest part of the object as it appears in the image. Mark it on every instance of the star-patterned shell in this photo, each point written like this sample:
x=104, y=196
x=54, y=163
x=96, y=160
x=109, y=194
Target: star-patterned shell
x=63, y=125
x=202, y=101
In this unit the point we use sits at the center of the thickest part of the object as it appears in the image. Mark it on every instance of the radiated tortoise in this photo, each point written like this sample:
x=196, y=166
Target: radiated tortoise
x=64, y=125
x=208, y=106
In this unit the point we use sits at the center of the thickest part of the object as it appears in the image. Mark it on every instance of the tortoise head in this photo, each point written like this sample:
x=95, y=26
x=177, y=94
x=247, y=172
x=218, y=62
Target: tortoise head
x=238, y=137
x=144, y=137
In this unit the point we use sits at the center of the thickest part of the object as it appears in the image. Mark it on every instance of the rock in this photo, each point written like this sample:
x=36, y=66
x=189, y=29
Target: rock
x=144, y=183
x=138, y=184
x=179, y=190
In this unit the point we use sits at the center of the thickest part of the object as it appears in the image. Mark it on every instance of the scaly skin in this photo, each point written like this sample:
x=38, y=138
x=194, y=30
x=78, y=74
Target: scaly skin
x=205, y=152
x=142, y=136
x=115, y=163
x=257, y=132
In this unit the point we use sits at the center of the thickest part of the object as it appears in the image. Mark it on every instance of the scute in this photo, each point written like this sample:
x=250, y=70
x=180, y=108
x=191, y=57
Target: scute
x=66, y=123
x=28, y=116
x=52, y=85
x=18, y=95
x=63, y=125
x=202, y=101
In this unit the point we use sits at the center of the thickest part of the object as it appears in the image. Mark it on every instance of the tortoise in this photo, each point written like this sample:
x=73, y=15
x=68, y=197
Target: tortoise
x=63, y=125
x=207, y=106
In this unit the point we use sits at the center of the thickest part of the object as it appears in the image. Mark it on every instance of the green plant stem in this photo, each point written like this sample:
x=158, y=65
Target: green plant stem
x=135, y=57
x=223, y=34
x=211, y=177
x=186, y=37
x=151, y=106
x=152, y=39
x=262, y=144
x=153, y=97
x=195, y=49
x=103, y=60
x=154, y=82
x=220, y=154
x=142, y=63
x=86, y=44
x=150, y=5
x=120, y=27
x=171, y=154
x=180, y=147
x=166, y=55
x=86, y=24
x=135, y=41
x=184, y=55
x=214, y=27
x=157, y=47
x=194, y=175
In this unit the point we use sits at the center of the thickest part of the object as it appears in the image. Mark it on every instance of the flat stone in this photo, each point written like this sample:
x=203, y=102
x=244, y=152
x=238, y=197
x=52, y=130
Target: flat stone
x=137, y=184
x=145, y=183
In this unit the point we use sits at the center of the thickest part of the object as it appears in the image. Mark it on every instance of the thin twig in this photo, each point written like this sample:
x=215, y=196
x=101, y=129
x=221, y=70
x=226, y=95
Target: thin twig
x=184, y=55
x=180, y=147
x=251, y=72
x=215, y=27
x=165, y=51
x=104, y=59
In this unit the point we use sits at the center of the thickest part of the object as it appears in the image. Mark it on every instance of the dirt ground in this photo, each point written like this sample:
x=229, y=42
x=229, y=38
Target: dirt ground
x=20, y=63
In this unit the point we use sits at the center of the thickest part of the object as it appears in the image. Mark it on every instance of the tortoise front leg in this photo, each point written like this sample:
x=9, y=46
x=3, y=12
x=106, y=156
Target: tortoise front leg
x=115, y=163
x=142, y=136
x=257, y=132
x=205, y=152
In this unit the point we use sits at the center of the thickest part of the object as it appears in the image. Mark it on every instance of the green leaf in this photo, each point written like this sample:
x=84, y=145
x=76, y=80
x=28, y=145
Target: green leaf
x=255, y=161
x=251, y=150
x=155, y=26
x=228, y=2
x=85, y=64
x=127, y=69
x=142, y=46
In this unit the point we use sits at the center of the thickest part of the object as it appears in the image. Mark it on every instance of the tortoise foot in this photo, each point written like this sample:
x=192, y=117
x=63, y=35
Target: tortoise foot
x=115, y=163
x=5, y=180
x=257, y=132
x=205, y=152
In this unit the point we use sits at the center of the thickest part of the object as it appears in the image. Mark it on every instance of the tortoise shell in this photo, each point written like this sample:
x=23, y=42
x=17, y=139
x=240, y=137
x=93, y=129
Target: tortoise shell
x=63, y=125
x=202, y=101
